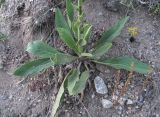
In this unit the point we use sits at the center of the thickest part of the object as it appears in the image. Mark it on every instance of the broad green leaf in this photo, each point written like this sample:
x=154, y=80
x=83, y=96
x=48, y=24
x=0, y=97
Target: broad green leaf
x=41, y=49
x=60, y=59
x=70, y=9
x=59, y=96
x=100, y=51
x=81, y=83
x=113, y=32
x=2, y=37
x=128, y=63
x=60, y=20
x=72, y=79
x=68, y=39
x=33, y=67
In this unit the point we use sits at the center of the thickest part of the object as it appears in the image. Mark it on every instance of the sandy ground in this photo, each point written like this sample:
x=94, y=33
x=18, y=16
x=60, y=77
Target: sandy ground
x=18, y=100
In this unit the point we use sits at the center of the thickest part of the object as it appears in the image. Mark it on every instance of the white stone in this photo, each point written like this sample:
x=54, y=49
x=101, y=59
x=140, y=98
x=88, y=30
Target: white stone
x=107, y=103
x=129, y=102
x=100, y=86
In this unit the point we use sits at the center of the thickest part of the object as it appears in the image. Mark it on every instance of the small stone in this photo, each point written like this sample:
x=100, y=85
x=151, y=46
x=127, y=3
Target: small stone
x=11, y=97
x=93, y=95
x=39, y=101
x=28, y=99
x=129, y=102
x=100, y=86
x=100, y=13
x=68, y=102
x=34, y=104
x=107, y=103
x=3, y=97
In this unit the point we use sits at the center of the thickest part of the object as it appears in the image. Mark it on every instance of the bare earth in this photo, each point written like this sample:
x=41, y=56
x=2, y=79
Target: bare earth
x=17, y=99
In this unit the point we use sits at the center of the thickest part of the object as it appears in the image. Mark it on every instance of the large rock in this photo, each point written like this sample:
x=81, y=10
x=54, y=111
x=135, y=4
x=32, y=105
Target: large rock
x=100, y=86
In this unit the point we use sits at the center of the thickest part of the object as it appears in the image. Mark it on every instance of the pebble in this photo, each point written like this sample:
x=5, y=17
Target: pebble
x=4, y=97
x=100, y=13
x=129, y=102
x=107, y=103
x=100, y=86
x=11, y=97
x=93, y=96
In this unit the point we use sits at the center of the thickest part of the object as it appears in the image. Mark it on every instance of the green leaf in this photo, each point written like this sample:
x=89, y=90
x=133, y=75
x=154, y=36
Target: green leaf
x=75, y=28
x=87, y=32
x=82, y=42
x=33, y=67
x=113, y=32
x=86, y=55
x=60, y=59
x=59, y=96
x=60, y=20
x=41, y=49
x=100, y=51
x=79, y=7
x=72, y=79
x=81, y=83
x=57, y=101
x=128, y=63
x=69, y=22
x=70, y=9
x=68, y=39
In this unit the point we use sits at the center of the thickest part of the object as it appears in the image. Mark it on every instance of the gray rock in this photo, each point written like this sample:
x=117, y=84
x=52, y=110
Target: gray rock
x=4, y=97
x=100, y=86
x=107, y=103
x=129, y=102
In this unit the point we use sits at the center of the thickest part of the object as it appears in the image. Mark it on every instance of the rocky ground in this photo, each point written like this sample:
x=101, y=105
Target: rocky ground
x=26, y=20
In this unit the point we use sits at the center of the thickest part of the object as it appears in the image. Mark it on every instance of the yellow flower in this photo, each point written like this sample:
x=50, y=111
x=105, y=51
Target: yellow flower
x=133, y=31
